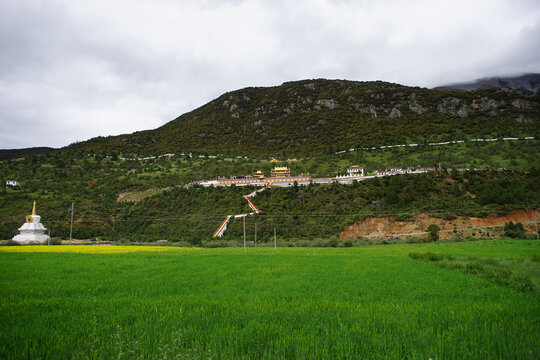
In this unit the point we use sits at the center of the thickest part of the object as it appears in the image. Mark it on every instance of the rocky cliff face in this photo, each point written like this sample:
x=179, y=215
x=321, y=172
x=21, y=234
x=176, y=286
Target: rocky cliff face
x=320, y=115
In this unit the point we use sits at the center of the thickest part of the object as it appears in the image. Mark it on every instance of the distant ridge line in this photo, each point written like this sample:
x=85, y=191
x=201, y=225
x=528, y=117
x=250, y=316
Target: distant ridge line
x=6, y=154
x=528, y=82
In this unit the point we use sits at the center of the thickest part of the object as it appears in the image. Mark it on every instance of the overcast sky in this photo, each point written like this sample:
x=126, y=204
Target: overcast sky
x=74, y=69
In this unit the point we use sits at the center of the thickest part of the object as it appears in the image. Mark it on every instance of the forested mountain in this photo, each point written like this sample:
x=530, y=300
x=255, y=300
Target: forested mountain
x=318, y=116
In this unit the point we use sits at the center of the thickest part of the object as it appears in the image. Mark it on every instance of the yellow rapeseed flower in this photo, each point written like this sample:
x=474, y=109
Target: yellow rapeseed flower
x=90, y=249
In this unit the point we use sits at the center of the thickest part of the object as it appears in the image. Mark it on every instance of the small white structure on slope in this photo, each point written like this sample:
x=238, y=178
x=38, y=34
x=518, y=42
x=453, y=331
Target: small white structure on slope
x=32, y=230
x=12, y=183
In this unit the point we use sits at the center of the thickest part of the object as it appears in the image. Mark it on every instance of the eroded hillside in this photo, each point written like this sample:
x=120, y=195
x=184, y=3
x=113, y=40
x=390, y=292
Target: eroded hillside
x=451, y=226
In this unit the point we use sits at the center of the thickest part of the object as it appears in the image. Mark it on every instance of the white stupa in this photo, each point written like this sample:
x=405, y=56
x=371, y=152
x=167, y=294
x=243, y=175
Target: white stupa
x=32, y=230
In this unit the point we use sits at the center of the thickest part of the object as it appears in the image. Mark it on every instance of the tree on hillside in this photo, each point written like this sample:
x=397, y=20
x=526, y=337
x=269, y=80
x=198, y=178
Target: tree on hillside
x=514, y=230
x=433, y=231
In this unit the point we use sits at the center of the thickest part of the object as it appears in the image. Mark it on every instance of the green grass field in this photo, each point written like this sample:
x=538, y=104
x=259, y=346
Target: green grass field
x=372, y=302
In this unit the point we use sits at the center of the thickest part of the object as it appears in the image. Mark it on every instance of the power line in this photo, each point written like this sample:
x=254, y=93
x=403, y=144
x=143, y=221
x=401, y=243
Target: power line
x=142, y=218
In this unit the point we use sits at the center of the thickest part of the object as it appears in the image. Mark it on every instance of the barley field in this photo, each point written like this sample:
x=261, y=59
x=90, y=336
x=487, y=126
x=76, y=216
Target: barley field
x=372, y=302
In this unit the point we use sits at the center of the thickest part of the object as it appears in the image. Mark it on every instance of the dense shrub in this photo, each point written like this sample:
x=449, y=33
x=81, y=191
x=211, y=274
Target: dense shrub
x=512, y=273
x=54, y=241
x=11, y=243
x=429, y=256
x=514, y=230
x=214, y=243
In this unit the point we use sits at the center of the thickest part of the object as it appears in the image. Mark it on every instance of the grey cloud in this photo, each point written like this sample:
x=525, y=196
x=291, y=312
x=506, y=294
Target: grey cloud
x=73, y=70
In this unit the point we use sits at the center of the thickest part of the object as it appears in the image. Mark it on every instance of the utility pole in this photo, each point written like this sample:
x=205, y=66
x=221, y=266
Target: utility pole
x=255, y=233
x=71, y=227
x=244, y=218
x=275, y=241
x=536, y=223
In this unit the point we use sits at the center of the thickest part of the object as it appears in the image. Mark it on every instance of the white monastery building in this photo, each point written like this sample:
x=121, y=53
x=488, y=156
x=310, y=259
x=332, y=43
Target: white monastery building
x=355, y=170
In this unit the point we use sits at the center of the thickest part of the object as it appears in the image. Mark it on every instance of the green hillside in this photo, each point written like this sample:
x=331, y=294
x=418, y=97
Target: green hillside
x=318, y=116
x=169, y=210
x=309, y=123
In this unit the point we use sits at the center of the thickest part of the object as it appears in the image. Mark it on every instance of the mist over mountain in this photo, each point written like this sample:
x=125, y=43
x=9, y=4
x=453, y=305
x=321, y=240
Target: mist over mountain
x=527, y=82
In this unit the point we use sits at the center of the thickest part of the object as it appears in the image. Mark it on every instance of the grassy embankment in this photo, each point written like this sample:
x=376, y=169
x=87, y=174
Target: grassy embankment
x=370, y=302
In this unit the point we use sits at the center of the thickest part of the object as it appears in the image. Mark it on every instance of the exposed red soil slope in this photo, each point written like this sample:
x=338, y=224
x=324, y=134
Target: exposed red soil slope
x=388, y=227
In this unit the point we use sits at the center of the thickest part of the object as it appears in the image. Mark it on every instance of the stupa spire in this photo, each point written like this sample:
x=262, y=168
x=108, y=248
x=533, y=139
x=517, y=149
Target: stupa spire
x=34, y=208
